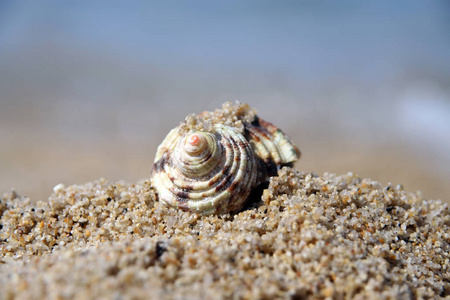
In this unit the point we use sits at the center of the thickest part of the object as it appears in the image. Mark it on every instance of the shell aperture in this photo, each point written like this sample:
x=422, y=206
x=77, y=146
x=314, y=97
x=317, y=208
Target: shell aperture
x=205, y=168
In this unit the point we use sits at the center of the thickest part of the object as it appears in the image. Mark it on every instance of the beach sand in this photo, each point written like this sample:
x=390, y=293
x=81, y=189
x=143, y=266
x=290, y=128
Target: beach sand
x=302, y=236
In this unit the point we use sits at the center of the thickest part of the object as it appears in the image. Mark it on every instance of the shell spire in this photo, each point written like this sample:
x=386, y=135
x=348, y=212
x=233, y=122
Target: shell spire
x=212, y=161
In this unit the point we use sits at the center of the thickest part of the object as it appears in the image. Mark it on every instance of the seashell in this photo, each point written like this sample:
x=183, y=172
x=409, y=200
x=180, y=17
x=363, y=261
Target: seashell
x=205, y=172
x=271, y=146
x=212, y=161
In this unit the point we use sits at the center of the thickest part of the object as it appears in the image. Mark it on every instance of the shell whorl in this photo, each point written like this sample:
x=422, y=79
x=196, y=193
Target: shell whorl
x=205, y=172
x=206, y=168
x=271, y=146
x=197, y=153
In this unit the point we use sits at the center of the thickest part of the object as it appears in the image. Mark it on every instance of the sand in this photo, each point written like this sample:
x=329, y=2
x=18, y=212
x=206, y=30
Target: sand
x=302, y=236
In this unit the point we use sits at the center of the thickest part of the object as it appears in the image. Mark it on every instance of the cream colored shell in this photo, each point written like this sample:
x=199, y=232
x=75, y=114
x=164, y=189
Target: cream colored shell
x=215, y=177
x=210, y=169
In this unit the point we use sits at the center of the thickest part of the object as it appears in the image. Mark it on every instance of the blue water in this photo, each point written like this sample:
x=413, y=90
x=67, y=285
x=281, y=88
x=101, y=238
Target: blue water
x=312, y=39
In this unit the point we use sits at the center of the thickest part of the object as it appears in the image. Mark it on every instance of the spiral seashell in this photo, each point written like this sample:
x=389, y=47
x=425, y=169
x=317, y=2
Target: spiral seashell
x=206, y=168
x=205, y=172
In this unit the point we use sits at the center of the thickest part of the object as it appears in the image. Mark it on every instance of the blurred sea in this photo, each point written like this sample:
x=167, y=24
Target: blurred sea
x=89, y=89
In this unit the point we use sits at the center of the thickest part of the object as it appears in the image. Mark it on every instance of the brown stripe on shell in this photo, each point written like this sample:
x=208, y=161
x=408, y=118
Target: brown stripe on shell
x=261, y=132
x=159, y=165
x=225, y=183
x=182, y=194
x=208, y=157
x=269, y=126
x=254, y=128
x=268, y=167
x=183, y=205
x=224, y=171
x=272, y=129
x=187, y=187
x=233, y=186
x=228, y=180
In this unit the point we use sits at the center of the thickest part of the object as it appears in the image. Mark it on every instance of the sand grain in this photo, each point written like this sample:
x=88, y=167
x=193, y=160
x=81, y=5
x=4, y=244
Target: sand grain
x=309, y=236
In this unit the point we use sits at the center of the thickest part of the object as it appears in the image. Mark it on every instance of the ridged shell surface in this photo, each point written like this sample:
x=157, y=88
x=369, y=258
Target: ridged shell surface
x=211, y=162
x=205, y=172
x=271, y=146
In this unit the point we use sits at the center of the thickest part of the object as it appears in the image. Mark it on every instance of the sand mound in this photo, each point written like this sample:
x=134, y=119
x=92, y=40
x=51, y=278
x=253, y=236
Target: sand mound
x=308, y=237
